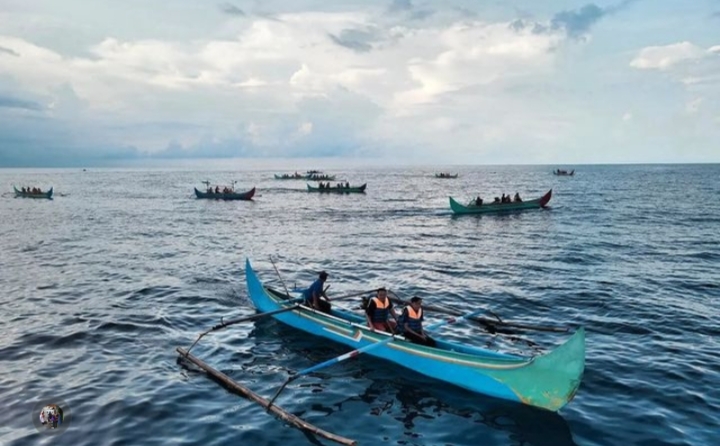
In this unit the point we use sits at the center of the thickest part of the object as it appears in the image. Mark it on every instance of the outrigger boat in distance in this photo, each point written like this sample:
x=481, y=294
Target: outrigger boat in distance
x=314, y=177
x=548, y=381
x=226, y=193
x=445, y=175
x=491, y=207
x=294, y=176
x=339, y=190
x=19, y=193
x=565, y=173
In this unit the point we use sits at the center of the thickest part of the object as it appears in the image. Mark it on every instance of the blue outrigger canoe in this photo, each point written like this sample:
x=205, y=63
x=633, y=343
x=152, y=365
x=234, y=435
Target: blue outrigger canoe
x=547, y=381
x=19, y=193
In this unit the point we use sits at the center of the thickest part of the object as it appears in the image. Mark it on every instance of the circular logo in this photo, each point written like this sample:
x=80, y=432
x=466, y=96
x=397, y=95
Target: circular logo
x=51, y=417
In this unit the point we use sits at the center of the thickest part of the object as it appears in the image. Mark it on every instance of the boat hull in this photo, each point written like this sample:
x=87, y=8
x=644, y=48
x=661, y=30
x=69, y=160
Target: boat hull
x=46, y=195
x=339, y=190
x=549, y=381
x=492, y=208
x=446, y=176
x=280, y=177
x=230, y=196
x=564, y=174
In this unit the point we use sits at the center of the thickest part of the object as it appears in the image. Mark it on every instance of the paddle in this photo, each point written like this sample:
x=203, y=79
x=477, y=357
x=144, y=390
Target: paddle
x=487, y=322
x=358, y=351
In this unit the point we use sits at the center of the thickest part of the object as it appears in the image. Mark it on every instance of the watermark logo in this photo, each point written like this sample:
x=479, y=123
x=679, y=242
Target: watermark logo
x=51, y=417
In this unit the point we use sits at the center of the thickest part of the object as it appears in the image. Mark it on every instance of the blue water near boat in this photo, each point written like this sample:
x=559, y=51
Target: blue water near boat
x=100, y=285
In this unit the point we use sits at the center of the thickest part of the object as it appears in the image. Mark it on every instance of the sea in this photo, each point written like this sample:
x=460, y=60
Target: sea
x=101, y=284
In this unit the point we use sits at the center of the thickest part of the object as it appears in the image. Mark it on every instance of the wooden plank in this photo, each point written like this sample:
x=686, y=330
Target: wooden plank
x=277, y=411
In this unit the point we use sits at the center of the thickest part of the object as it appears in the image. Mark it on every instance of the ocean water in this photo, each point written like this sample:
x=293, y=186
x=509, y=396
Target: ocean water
x=100, y=285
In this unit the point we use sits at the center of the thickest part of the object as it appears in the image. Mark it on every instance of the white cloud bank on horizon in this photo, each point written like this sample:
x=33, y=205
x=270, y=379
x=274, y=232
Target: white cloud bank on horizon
x=439, y=84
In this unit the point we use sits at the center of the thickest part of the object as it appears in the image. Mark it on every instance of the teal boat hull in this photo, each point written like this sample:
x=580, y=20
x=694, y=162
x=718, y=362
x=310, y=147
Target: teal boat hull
x=493, y=208
x=437, y=175
x=47, y=195
x=548, y=381
x=338, y=190
x=299, y=177
x=226, y=196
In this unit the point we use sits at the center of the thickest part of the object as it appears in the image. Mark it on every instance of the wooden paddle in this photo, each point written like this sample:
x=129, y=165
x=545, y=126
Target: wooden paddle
x=487, y=322
x=358, y=351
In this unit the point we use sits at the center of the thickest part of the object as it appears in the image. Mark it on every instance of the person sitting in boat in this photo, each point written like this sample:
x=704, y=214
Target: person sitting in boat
x=217, y=189
x=517, y=197
x=478, y=201
x=312, y=295
x=411, y=323
x=496, y=200
x=378, y=310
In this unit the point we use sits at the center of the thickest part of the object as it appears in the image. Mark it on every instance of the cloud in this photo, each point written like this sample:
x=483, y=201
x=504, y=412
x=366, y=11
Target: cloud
x=355, y=39
x=229, y=8
x=664, y=57
x=578, y=22
x=400, y=5
x=692, y=107
x=11, y=102
x=627, y=116
x=4, y=50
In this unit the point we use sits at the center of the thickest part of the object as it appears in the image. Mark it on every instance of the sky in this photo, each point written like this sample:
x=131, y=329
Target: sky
x=447, y=81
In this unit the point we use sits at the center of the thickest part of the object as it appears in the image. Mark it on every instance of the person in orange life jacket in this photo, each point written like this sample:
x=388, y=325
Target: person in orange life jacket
x=411, y=323
x=312, y=295
x=378, y=310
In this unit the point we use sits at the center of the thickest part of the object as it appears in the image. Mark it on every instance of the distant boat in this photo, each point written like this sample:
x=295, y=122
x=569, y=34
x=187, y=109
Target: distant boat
x=314, y=177
x=564, y=173
x=230, y=194
x=445, y=175
x=339, y=190
x=294, y=176
x=19, y=193
x=491, y=208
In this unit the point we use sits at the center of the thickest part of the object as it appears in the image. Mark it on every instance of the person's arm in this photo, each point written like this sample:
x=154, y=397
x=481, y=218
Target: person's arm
x=368, y=311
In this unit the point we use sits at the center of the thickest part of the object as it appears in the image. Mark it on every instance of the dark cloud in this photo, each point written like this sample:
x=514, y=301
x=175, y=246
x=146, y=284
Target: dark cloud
x=11, y=102
x=400, y=5
x=355, y=39
x=229, y=8
x=4, y=50
x=577, y=22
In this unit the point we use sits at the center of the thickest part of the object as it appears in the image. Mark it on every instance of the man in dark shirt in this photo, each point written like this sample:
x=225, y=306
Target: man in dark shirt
x=317, y=289
x=412, y=319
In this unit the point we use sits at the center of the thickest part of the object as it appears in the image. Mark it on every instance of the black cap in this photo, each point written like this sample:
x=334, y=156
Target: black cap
x=323, y=275
x=416, y=299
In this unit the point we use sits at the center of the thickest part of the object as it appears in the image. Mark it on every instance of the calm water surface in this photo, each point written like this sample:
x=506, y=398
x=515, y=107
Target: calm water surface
x=99, y=285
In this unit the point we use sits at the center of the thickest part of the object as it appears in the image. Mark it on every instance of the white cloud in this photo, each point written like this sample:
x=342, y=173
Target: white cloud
x=627, y=116
x=664, y=57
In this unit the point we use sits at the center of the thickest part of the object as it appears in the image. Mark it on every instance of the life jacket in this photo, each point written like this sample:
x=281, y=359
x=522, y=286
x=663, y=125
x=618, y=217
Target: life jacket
x=382, y=310
x=413, y=319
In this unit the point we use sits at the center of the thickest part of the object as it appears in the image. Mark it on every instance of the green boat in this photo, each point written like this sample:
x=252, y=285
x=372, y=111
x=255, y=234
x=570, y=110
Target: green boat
x=295, y=176
x=445, y=175
x=491, y=208
x=339, y=190
x=320, y=177
x=19, y=193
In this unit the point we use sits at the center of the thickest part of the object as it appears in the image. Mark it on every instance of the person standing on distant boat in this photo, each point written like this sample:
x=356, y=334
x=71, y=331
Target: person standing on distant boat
x=411, y=323
x=315, y=292
x=378, y=310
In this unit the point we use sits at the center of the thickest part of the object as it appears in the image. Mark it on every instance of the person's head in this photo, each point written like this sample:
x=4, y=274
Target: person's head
x=323, y=276
x=416, y=303
x=382, y=293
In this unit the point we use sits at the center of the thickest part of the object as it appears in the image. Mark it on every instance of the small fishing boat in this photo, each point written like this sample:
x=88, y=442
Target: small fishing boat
x=320, y=177
x=548, y=380
x=226, y=193
x=564, y=173
x=19, y=193
x=490, y=208
x=294, y=176
x=339, y=190
x=445, y=175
